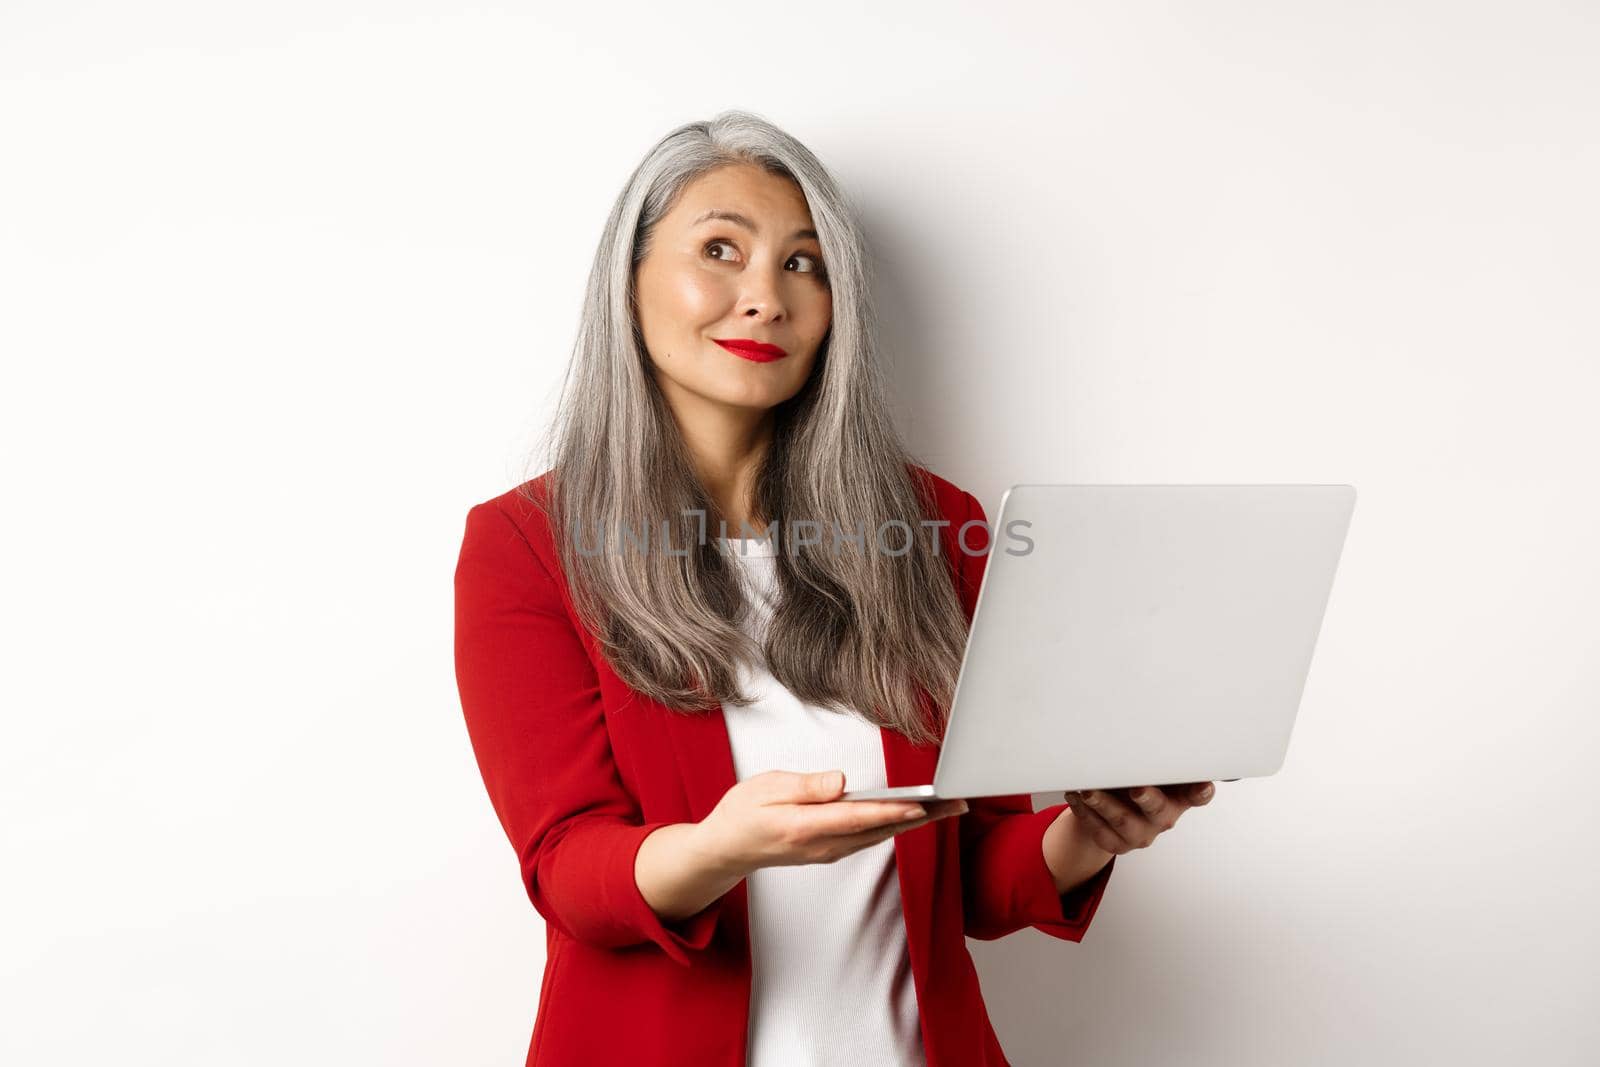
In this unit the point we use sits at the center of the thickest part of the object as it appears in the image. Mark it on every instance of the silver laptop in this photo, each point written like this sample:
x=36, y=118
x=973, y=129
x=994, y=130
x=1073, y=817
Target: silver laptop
x=1133, y=635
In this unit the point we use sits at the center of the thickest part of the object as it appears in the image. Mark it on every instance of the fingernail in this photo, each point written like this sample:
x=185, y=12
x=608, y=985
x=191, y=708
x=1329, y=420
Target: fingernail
x=1138, y=794
x=1090, y=798
x=1206, y=792
x=915, y=813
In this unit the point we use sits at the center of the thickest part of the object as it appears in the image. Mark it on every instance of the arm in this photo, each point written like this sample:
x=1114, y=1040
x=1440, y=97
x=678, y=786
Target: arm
x=676, y=876
x=1021, y=867
x=1070, y=853
x=531, y=698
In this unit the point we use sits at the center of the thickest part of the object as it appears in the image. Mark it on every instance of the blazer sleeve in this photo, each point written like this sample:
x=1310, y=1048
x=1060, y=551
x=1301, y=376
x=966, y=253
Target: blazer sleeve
x=1006, y=884
x=531, y=697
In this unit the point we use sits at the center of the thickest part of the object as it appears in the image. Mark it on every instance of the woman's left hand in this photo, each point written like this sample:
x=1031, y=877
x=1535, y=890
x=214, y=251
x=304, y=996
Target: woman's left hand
x=1135, y=819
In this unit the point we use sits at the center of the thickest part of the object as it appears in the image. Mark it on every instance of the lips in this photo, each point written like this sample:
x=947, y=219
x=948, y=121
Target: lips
x=755, y=351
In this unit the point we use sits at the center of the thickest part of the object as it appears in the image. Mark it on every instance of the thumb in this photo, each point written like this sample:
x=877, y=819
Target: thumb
x=823, y=785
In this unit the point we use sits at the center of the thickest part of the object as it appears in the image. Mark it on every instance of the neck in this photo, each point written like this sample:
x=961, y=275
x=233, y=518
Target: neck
x=726, y=445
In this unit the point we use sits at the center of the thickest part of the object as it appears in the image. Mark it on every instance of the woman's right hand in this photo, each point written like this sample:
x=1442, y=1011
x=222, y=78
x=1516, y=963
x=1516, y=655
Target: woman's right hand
x=781, y=818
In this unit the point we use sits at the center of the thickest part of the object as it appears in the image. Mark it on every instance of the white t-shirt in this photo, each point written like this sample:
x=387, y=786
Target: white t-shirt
x=832, y=982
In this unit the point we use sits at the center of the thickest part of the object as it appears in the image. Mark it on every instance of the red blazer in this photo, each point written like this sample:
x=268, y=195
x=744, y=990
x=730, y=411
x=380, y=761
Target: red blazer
x=580, y=767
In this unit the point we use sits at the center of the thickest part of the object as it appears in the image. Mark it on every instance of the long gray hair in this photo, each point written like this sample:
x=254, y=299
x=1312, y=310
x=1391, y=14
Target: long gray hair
x=852, y=630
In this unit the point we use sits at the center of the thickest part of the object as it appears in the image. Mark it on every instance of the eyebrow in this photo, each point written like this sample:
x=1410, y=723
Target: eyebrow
x=740, y=220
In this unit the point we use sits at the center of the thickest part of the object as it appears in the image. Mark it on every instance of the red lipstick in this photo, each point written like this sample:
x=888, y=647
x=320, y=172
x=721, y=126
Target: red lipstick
x=756, y=351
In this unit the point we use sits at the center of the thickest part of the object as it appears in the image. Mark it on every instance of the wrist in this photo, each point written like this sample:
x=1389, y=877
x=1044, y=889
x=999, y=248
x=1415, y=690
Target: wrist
x=1070, y=853
x=709, y=853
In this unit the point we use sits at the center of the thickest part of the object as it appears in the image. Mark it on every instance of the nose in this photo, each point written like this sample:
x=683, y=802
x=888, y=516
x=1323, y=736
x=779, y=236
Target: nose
x=760, y=298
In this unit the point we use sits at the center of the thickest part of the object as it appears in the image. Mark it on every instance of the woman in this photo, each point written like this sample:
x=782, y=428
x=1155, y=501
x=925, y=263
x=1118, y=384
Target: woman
x=668, y=678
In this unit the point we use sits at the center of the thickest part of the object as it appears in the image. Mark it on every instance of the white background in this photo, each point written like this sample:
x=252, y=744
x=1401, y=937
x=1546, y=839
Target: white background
x=285, y=288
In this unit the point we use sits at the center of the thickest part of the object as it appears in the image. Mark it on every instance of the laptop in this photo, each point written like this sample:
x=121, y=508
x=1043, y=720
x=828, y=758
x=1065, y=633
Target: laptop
x=1131, y=635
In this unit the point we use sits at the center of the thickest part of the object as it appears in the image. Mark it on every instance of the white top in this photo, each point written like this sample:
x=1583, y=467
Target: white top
x=832, y=982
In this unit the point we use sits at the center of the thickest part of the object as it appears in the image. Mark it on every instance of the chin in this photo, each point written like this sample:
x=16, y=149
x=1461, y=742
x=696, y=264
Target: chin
x=750, y=395
x=759, y=402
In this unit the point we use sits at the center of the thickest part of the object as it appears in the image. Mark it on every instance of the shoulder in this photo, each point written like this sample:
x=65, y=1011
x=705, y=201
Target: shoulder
x=522, y=504
x=517, y=515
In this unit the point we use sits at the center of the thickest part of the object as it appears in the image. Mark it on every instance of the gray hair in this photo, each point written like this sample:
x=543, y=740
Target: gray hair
x=851, y=631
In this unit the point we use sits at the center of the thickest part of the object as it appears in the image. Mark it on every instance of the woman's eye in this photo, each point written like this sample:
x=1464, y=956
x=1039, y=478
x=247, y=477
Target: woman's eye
x=816, y=266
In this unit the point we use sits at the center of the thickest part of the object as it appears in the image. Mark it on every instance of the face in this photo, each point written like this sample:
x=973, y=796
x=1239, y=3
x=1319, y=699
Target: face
x=756, y=279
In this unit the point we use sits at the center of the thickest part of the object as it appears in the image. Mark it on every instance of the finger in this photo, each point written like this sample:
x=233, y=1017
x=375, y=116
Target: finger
x=859, y=817
x=1126, y=820
x=794, y=787
x=1189, y=794
x=822, y=786
x=1182, y=797
x=940, y=809
x=1100, y=831
x=927, y=811
x=1159, y=808
x=845, y=844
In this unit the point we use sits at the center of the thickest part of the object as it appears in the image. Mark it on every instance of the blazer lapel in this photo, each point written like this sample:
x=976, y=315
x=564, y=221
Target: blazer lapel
x=704, y=754
x=700, y=746
x=916, y=852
